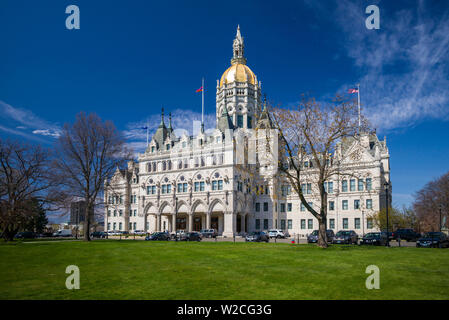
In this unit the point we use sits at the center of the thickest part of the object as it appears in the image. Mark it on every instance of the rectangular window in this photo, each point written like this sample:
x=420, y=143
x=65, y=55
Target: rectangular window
x=290, y=224
x=356, y=204
x=121, y=199
x=330, y=187
x=265, y=206
x=368, y=184
x=344, y=204
x=303, y=223
x=130, y=226
x=310, y=224
x=197, y=186
x=303, y=188
x=184, y=187
x=309, y=188
x=153, y=189
x=344, y=186
x=360, y=185
x=214, y=185
x=257, y=224
x=265, y=224
x=135, y=213
x=352, y=184
x=120, y=226
x=115, y=213
x=303, y=208
x=240, y=121
x=356, y=223
x=148, y=190
x=257, y=207
x=282, y=207
x=249, y=122
x=109, y=213
x=120, y=213
x=109, y=226
x=345, y=223
x=179, y=187
x=369, y=203
x=184, y=144
x=202, y=186
x=220, y=184
x=115, y=224
x=164, y=188
x=134, y=226
x=282, y=224
x=289, y=207
x=331, y=205
x=168, y=188
x=331, y=223
x=369, y=223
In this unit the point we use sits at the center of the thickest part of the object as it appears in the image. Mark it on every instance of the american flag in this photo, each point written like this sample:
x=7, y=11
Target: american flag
x=353, y=90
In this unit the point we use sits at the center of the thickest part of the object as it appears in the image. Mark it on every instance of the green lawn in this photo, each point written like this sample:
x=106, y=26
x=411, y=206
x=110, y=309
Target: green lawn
x=174, y=270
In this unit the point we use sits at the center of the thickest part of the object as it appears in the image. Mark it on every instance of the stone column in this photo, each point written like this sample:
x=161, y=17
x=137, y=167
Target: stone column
x=229, y=224
x=208, y=220
x=190, y=222
x=158, y=222
x=173, y=223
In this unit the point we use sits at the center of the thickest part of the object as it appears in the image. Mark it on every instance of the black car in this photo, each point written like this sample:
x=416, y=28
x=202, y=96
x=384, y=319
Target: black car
x=375, y=239
x=346, y=237
x=433, y=240
x=191, y=236
x=98, y=234
x=161, y=236
x=313, y=237
x=406, y=234
x=25, y=235
x=257, y=236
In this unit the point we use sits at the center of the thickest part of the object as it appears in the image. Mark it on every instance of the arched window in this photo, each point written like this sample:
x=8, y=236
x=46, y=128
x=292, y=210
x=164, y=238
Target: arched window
x=164, y=165
x=154, y=166
x=149, y=167
x=180, y=164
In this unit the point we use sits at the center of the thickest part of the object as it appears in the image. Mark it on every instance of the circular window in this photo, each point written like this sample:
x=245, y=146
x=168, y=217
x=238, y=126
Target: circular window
x=198, y=176
x=151, y=181
x=182, y=178
x=217, y=174
x=166, y=179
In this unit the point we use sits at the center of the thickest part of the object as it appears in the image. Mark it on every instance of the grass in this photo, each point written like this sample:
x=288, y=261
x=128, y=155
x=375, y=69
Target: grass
x=178, y=270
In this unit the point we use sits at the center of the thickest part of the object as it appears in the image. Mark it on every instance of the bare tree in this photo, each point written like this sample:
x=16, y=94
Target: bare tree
x=432, y=198
x=87, y=154
x=311, y=148
x=24, y=180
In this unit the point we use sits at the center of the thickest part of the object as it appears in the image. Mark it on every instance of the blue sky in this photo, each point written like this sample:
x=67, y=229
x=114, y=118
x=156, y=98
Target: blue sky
x=130, y=58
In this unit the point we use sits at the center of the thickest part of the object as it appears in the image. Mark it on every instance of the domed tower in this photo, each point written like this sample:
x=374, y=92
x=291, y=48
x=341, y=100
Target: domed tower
x=238, y=91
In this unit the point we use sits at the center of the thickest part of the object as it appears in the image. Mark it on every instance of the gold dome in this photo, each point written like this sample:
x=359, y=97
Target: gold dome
x=238, y=73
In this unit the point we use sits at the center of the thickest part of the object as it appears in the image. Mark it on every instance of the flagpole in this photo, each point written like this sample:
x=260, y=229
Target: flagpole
x=202, y=106
x=147, y=132
x=358, y=100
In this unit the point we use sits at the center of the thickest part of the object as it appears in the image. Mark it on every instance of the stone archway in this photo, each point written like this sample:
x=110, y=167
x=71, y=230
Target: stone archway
x=216, y=212
x=199, y=213
x=165, y=217
x=182, y=217
x=150, y=218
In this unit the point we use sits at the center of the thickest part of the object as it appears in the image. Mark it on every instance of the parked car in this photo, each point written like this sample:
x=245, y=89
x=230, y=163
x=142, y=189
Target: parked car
x=158, y=236
x=406, y=234
x=433, y=239
x=346, y=237
x=209, y=233
x=276, y=233
x=98, y=234
x=63, y=233
x=375, y=238
x=138, y=232
x=313, y=237
x=25, y=235
x=257, y=236
x=192, y=236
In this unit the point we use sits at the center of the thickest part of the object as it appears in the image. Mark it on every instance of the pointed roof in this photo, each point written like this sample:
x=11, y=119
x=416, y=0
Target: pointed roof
x=264, y=120
x=162, y=132
x=224, y=122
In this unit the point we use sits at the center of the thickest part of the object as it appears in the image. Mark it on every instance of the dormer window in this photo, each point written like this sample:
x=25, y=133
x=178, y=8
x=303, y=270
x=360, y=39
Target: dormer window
x=152, y=149
x=167, y=147
x=184, y=144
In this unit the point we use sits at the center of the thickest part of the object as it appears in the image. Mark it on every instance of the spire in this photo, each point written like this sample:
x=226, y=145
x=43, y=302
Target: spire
x=238, y=48
x=169, y=123
x=162, y=124
x=224, y=122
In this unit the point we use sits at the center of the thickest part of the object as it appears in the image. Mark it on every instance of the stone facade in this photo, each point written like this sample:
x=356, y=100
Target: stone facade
x=226, y=179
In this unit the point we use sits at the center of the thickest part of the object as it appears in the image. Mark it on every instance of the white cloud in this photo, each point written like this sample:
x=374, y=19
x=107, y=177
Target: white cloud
x=48, y=132
x=403, y=66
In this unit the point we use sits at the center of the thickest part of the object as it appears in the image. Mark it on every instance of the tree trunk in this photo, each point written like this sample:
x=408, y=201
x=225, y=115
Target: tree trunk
x=87, y=222
x=322, y=236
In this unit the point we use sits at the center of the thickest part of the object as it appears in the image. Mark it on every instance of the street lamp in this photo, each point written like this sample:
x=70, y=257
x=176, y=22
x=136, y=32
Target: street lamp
x=386, y=185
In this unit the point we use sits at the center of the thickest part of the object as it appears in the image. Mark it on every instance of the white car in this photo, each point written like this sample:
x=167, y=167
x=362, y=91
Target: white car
x=276, y=233
x=113, y=233
x=138, y=232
